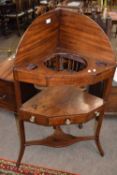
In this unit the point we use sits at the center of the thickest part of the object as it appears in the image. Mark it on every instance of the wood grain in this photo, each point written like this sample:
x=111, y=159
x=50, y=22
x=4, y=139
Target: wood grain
x=81, y=36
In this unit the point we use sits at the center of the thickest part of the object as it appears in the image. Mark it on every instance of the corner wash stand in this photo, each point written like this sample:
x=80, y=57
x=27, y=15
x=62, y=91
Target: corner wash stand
x=66, y=55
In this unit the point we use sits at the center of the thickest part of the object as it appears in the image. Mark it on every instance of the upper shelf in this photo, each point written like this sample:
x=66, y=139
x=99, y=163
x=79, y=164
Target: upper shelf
x=64, y=47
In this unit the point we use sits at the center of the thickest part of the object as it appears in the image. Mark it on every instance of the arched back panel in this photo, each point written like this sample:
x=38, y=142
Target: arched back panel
x=63, y=47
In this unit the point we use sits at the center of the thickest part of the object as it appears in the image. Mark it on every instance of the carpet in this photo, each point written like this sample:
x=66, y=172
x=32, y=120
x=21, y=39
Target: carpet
x=8, y=167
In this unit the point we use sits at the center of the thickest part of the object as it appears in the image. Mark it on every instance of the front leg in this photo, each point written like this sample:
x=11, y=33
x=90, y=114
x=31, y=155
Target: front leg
x=22, y=141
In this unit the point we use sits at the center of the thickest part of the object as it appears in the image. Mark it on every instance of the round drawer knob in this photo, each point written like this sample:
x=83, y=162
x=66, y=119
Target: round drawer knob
x=97, y=114
x=3, y=97
x=67, y=121
x=32, y=119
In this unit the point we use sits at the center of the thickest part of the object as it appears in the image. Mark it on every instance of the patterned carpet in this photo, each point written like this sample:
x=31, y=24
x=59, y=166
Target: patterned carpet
x=8, y=167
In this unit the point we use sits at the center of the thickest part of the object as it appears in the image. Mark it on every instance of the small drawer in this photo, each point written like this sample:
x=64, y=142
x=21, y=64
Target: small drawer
x=33, y=118
x=3, y=96
x=7, y=96
x=68, y=120
x=112, y=102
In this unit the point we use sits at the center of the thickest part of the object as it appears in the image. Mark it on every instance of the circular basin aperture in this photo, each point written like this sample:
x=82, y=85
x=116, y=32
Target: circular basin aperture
x=65, y=62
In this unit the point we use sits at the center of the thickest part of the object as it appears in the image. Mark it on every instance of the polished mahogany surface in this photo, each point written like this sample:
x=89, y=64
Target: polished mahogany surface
x=6, y=70
x=7, y=89
x=64, y=32
x=60, y=49
x=111, y=107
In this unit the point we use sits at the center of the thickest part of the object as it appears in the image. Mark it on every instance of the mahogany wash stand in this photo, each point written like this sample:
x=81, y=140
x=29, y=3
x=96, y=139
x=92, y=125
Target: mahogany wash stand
x=64, y=54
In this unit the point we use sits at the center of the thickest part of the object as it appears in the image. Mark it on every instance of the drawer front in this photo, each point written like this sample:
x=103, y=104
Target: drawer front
x=112, y=101
x=7, y=95
x=33, y=118
x=75, y=119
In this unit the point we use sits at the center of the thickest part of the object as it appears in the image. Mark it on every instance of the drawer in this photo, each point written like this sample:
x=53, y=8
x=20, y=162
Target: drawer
x=67, y=120
x=7, y=95
x=33, y=118
x=74, y=119
x=112, y=102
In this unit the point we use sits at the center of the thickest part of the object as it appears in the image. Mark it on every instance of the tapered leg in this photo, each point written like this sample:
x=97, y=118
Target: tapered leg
x=97, y=133
x=22, y=142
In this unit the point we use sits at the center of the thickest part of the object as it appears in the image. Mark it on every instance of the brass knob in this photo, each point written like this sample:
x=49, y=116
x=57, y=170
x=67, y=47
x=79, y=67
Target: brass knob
x=32, y=119
x=67, y=121
x=97, y=114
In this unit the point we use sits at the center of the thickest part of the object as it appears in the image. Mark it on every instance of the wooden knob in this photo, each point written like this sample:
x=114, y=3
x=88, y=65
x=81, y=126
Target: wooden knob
x=3, y=97
x=32, y=119
x=97, y=113
x=67, y=121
